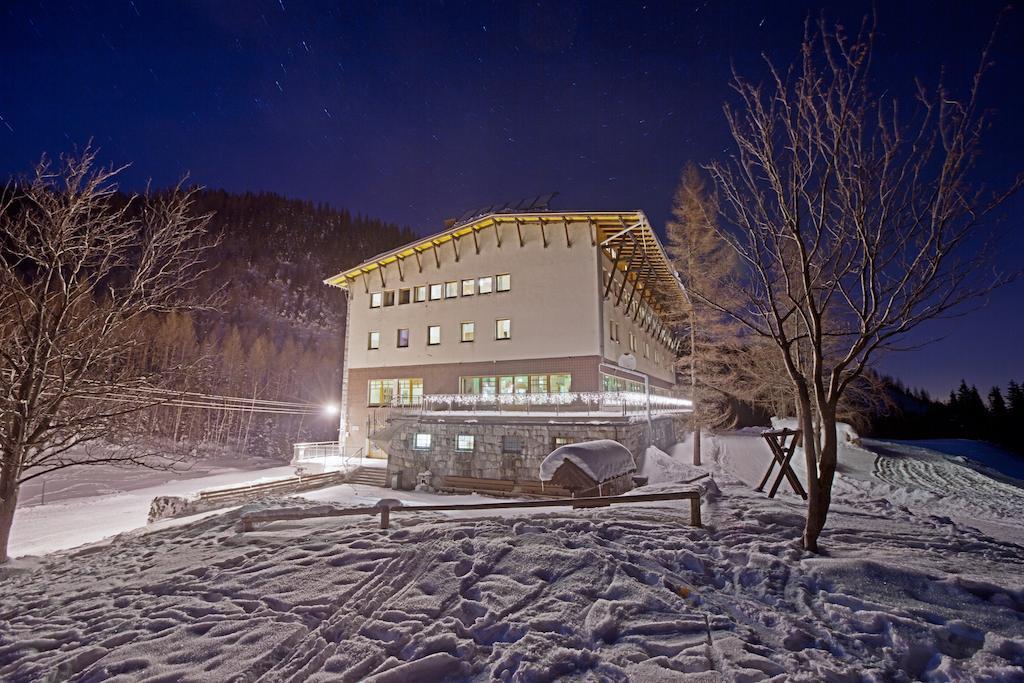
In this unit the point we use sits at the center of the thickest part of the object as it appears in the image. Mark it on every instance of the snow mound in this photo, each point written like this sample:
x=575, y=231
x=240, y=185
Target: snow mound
x=601, y=460
x=661, y=468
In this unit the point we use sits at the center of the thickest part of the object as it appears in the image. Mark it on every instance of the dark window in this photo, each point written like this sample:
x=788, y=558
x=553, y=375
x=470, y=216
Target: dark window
x=404, y=296
x=389, y=298
x=511, y=444
x=403, y=338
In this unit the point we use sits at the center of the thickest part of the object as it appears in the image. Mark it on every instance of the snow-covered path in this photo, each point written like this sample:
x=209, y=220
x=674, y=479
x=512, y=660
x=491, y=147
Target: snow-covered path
x=71, y=522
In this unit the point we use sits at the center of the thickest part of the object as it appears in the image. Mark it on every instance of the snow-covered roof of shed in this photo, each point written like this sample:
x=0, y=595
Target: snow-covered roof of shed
x=600, y=460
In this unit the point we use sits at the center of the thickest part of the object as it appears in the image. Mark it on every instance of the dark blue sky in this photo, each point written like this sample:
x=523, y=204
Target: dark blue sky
x=414, y=112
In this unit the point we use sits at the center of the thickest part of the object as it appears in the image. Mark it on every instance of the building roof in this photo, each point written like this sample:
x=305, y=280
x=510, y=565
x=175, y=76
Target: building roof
x=626, y=238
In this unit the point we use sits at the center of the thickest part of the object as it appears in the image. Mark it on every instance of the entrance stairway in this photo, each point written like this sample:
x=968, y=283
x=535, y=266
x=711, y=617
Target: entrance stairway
x=369, y=476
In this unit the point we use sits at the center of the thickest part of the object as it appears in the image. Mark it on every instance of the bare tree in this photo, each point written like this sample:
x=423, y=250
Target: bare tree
x=853, y=222
x=80, y=271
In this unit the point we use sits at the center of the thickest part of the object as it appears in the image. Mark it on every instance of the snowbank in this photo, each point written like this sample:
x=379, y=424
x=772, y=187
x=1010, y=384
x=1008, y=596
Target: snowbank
x=601, y=460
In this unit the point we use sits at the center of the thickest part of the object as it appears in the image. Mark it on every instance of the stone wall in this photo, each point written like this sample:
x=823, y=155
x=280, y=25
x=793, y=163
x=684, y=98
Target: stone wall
x=487, y=461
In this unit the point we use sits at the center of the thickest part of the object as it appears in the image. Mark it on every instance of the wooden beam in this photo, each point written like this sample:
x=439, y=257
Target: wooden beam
x=519, y=229
x=543, y=234
x=565, y=224
x=380, y=271
x=419, y=263
x=437, y=258
x=455, y=247
x=476, y=242
x=611, y=277
x=497, y=232
x=366, y=282
x=593, y=232
x=398, y=262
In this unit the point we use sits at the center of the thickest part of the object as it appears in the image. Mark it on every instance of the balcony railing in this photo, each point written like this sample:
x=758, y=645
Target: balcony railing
x=317, y=457
x=622, y=403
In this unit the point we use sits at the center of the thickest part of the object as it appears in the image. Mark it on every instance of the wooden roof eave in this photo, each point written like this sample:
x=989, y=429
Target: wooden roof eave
x=344, y=278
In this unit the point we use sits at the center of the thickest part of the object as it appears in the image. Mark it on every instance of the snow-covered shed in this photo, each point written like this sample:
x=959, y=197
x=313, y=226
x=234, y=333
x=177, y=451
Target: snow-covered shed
x=591, y=468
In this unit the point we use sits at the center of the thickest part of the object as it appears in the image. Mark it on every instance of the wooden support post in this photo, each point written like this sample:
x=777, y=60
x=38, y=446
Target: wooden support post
x=380, y=271
x=695, y=512
x=455, y=247
x=398, y=262
x=611, y=276
x=543, y=235
x=593, y=232
x=437, y=258
x=476, y=242
x=565, y=224
x=366, y=282
x=419, y=263
x=497, y=232
x=519, y=229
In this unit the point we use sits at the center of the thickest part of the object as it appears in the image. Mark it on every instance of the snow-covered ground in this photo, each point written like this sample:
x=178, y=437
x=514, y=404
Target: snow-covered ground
x=106, y=504
x=920, y=580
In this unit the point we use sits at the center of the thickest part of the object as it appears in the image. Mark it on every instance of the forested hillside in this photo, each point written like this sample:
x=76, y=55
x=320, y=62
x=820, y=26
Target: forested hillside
x=277, y=330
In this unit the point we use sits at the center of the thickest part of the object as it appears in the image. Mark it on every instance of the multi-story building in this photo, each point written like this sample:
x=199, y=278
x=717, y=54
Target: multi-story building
x=503, y=320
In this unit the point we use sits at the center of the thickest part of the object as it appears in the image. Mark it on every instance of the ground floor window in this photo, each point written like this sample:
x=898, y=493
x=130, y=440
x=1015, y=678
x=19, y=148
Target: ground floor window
x=511, y=444
x=421, y=441
x=619, y=384
x=465, y=442
x=558, y=441
x=558, y=383
x=385, y=392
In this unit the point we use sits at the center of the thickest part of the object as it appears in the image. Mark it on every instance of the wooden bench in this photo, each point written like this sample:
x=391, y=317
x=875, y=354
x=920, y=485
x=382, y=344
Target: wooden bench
x=502, y=487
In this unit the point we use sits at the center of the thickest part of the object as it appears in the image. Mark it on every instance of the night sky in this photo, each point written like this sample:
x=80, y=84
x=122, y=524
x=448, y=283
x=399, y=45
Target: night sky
x=415, y=112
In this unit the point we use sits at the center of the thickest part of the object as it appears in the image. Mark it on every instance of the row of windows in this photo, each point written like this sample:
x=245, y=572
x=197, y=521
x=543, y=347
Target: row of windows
x=385, y=392
x=613, y=334
x=467, y=333
x=511, y=444
x=558, y=383
x=442, y=290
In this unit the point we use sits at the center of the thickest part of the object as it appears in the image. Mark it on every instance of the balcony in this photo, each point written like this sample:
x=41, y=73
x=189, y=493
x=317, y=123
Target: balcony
x=567, y=404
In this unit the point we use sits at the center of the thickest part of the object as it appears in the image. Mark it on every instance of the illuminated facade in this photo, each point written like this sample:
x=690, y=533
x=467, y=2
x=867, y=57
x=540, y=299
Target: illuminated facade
x=507, y=312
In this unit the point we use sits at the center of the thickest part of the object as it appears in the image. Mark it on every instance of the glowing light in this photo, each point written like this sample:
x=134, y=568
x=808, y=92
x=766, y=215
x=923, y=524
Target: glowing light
x=331, y=409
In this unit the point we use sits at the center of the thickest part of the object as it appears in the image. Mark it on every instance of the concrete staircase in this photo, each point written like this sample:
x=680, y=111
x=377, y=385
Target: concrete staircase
x=369, y=476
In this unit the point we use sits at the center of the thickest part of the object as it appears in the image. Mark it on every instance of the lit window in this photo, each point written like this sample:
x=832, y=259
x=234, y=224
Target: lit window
x=469, y=385
x=403, y=338
x=511, y=444
x=468, y=287
x=613, y=330
x=404, y=296
x=485, y=285
x=488, y=386
x=410, y=391
x=503, y=328
x=380, y=392
x=389, y=298
x=468, y=331
x=433, y=335
x=421, y=441
x=538, y=384
x=503, y=283
x=522, y=384
x=451, y=290
x=435, y=292
x=465, y=442
x=559, y=441
x=647, y=350
x=374, y=341
x=375, y=299
x=506, y=384
x=420, y=294
x=632, y=342
x=560, y=384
